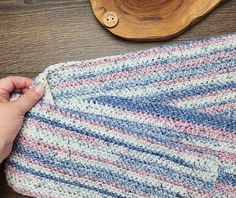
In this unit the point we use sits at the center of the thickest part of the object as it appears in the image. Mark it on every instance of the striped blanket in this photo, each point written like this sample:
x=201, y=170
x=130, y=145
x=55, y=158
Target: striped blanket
x=154, y=123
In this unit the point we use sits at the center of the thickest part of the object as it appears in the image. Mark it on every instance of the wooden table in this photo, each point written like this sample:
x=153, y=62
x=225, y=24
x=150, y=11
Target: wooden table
x=37, y=33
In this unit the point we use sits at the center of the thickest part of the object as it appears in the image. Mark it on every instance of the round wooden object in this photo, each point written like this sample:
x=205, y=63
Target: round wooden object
x=151, y=19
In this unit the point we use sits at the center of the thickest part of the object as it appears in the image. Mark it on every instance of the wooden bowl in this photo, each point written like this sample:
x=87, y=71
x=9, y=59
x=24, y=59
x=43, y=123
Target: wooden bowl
x=150, y=19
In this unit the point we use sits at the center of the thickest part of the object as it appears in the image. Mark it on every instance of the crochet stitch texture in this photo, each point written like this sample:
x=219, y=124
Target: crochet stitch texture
x=154, y=123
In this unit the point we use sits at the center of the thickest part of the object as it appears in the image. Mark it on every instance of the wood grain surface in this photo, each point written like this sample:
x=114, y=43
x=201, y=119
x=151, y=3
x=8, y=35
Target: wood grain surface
x=151, y=20
x=37, y=33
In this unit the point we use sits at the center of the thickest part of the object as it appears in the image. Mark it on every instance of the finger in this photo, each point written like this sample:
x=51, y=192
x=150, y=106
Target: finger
x=18, y=90
x=11, y=83
x=21, y=90
x=25, y=90
x=30, y=98
x=3, y=99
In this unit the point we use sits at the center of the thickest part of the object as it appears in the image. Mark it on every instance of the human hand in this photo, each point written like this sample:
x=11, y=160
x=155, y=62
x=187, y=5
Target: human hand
x=12, y=112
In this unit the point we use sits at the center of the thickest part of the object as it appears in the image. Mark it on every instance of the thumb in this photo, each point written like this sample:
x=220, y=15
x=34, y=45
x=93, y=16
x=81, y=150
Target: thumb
x=30, y=98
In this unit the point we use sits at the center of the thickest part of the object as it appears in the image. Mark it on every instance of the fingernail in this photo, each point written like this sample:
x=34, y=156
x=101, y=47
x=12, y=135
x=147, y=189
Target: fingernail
x=39, y=89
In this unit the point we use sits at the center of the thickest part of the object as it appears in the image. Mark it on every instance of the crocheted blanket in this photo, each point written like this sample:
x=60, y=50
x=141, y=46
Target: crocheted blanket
x=154, y=123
